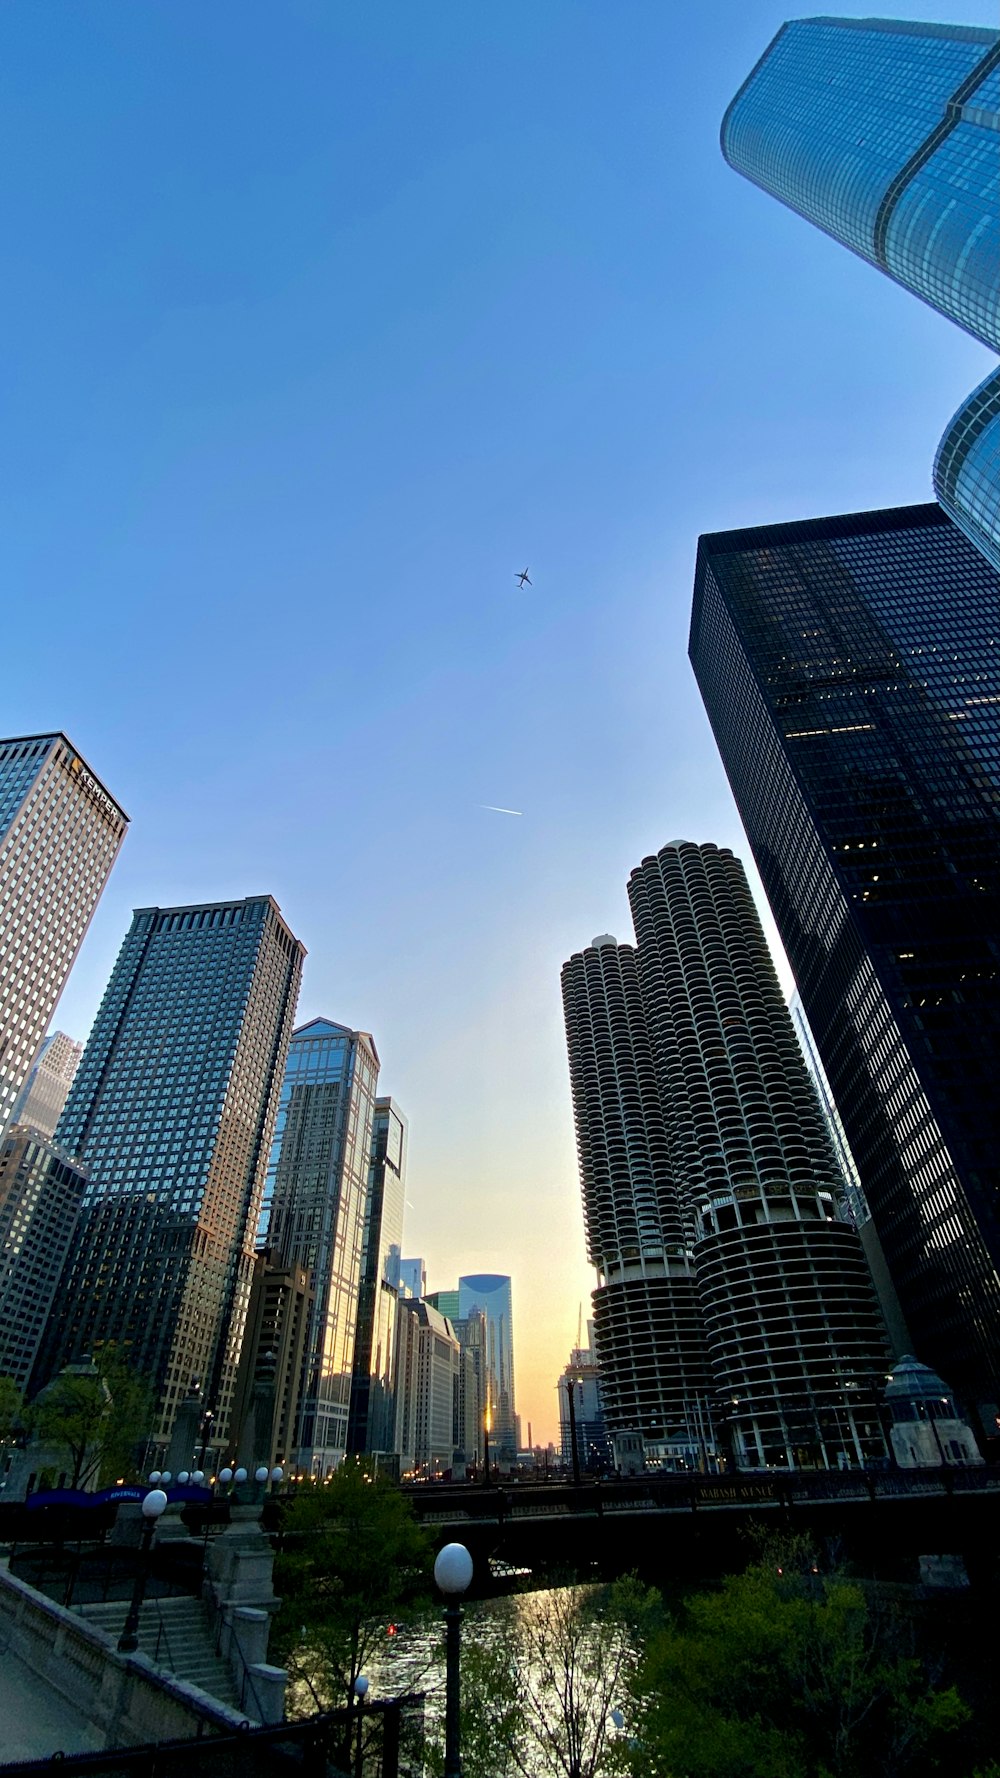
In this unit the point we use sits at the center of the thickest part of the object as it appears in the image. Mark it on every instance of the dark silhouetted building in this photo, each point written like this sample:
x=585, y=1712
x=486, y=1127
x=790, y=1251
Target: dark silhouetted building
x=372, y=1422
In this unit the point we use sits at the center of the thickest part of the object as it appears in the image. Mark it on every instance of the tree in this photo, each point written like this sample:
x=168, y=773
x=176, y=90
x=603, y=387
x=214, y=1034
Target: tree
x=12, y=1411
x=784, y=1673
x=98, y=1414
x=352, y=1556
x=542, y=1677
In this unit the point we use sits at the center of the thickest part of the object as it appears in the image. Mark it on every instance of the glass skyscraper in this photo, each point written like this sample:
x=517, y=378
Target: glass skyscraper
x=317, y=1189
x=850, y=668
x=491, y=1293
x=43, y=1095
x=883, y=133
x=172, y=1110
x=41, y=1192
x=373, y=1388
x=60, y=832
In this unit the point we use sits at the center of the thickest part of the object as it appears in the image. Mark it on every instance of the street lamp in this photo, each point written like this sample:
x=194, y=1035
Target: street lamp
x=152, y=1507
x=360, y=1692
x=452, y=1573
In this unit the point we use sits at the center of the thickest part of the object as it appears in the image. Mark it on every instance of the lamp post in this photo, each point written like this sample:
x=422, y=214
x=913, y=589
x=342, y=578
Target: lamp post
x=360, y=1693
x=152, y=1507
x=452, y=1574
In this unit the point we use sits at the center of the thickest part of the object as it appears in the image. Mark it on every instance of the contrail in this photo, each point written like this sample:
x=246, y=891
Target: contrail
x=494, y=810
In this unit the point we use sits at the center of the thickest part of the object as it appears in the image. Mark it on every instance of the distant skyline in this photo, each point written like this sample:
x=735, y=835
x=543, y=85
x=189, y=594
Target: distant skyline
x=321, y=323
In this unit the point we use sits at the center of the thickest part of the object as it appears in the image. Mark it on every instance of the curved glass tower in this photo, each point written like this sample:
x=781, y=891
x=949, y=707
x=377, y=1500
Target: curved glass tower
x=884, y=134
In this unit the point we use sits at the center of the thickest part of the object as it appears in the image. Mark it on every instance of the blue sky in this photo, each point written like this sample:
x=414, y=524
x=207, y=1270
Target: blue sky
x=323, y=319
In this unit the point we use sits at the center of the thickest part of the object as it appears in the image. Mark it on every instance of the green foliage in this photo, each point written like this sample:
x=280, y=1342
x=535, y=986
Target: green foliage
x=783, y=1673
x=541, y=1677
x=352, y=1557
x=12, y=1413
x=99, y=1419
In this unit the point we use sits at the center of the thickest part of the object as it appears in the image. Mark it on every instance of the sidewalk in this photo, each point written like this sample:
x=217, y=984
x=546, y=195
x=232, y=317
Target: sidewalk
x=34, y=1721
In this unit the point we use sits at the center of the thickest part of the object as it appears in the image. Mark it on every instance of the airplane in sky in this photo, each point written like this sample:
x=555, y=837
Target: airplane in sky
x=522, y=579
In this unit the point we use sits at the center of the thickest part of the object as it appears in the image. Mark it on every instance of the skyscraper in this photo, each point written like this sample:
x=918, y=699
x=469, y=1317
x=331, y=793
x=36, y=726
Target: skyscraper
x=491, y=1292
x=172, y=1110
x=60, y=832
x=428, y=1368
x=693, y=1108
x=41, y=1192
x=654, y=1366
x=40, y=1102
x=851, y=671
x=317, y=1189
x=373, y=1385
x=884, y=134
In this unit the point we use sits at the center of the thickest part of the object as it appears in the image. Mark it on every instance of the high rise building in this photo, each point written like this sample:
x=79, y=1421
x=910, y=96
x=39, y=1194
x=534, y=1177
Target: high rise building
x=883, y=133
x=648, y=1324
x=413, y=1277
x=851, y=671
x=60, y=831
x=372, y=1421
x=269, y=1379
x=317, y=1188
x=581, y=1410
x=41, y=1194
x=41, y=1099
x=491, y=1293
x=471, y=1336
x=696, y=1079
x=172, y=1110
x=447, y=1302
x=428, y=1366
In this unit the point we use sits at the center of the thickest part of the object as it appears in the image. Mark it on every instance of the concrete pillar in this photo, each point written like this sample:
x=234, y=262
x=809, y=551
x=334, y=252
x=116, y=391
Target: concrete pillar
x=249, y=1632
x=268, y=1692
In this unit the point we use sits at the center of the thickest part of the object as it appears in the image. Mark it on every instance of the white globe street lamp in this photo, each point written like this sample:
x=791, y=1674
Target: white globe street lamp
x=152, y=1506
x=453, y=1571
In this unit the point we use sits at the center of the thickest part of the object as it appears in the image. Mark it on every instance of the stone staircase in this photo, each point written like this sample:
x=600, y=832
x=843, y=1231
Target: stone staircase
x=176, y=1634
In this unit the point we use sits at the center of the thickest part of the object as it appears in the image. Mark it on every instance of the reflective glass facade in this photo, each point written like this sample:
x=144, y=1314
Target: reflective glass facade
x=317, y=1189
x=851, y=671
x=373, y=1386
x=490, y=1292
x=172, y=1110
x=41, y=1191
x=886, y=135
x=60, y=833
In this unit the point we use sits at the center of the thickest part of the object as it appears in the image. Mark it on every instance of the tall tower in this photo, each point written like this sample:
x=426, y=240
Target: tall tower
x=172, y=1111
x=648, y=1332
x=795, y=1341
x=883, y=133
x=317, y=1190
x=373, y=1413
x=60, y=831
x=40, y=1102
x=850, y=668
x=491, y=1292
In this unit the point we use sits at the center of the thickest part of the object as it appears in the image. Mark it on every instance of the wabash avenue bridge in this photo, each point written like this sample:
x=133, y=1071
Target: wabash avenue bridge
x=690, y=1528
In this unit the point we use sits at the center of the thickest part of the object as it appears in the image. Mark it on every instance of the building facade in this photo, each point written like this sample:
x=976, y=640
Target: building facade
x=471, y=1336
x=648, y=1333
x=883, y=133
x=172, y=1111
x=413, y=1277
x=581, y=1411
x=41, y=1195
x=372, y=1422
x=269, y=1378
x=316, y=1192
x=40, y=1102
x=850, y=670
x=490, y=1292
x=428, y=1369
x=60, y=832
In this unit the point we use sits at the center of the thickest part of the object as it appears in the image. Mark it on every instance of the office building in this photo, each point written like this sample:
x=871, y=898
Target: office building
x=41, y=1099
x=41, y=1194
x=851, y=673
x=413, y=1277
x=372, y=1421
x=428, y=1367
x=172, y=1110
x=581, y=1411
x=60, y=832
x=883, y=133
x=269, y=1378
x=317, y=1189
x=471, y=1336
x=648, y=1333
x=446, y=1302
x=490, y=1292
